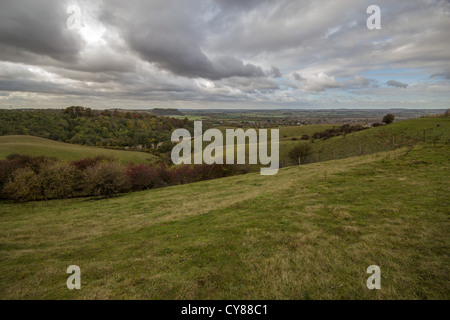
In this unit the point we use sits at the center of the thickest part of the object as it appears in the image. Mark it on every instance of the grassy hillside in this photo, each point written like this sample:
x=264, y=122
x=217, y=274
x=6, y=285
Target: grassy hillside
x=309, y=232
x=377, y=139
x=383, y=138
x=64, y=151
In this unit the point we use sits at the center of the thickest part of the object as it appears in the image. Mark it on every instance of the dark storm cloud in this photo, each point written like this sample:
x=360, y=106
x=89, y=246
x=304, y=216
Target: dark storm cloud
x=177, y=54
x=170, y=35
x=38, y=27
x=396, y=84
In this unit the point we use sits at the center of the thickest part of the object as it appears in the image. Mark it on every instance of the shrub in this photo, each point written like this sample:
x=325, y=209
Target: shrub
x=163, y=176
x=60, y=180
x=24, y=185
x=15, y=162
x=183, y=174
x=141, y=176
x=343, y=130
x=35, y=163
x=27, y=178
x=299, y=152
x=166, y=146
x=202, y=172
x=7, y=168
x=105, y=179
x=389, y=118
x=90, y=162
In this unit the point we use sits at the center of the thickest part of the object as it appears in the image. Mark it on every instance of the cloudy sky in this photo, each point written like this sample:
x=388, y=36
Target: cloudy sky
x=224, y=54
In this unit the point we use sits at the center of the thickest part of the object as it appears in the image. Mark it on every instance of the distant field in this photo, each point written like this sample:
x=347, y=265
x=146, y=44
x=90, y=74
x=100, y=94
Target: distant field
x=64, y=151
x=309, y=232
x=287, y=133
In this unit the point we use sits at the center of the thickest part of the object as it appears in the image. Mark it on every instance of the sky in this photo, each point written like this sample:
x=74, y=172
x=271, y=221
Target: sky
x=211, y=54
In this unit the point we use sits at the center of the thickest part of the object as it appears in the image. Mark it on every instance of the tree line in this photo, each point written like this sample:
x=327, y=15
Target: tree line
x=27, y=178
x=80, y=125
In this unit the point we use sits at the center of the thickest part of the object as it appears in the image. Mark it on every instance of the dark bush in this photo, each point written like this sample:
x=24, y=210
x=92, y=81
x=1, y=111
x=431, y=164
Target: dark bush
x=141, y=176
x=163, y=176
x=26, y=178
x=343, y=130
x=299, y=152
x=166, y=146
x=183, y=174
x=85, y=163
x=389, y=118
x=14, y=162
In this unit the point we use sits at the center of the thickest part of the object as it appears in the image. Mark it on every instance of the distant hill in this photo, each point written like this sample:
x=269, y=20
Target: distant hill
x=166, y=112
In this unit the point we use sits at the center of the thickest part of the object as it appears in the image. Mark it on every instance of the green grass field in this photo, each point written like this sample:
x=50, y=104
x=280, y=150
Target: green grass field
x=377, y=139
x=36, y=146
x=383, y=138
x=309, y=232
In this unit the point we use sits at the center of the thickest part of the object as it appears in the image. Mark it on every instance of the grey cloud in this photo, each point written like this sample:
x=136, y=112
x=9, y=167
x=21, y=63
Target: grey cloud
x=396, y=84
x=297, y=76
x=275, y=72
x=172, y=39
x=440, y=75
x=317, y=82
x=226, y=66
x=361, y=82
x=155, y=49
x=245, y=84
x=39, y=27
x=181, y=57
